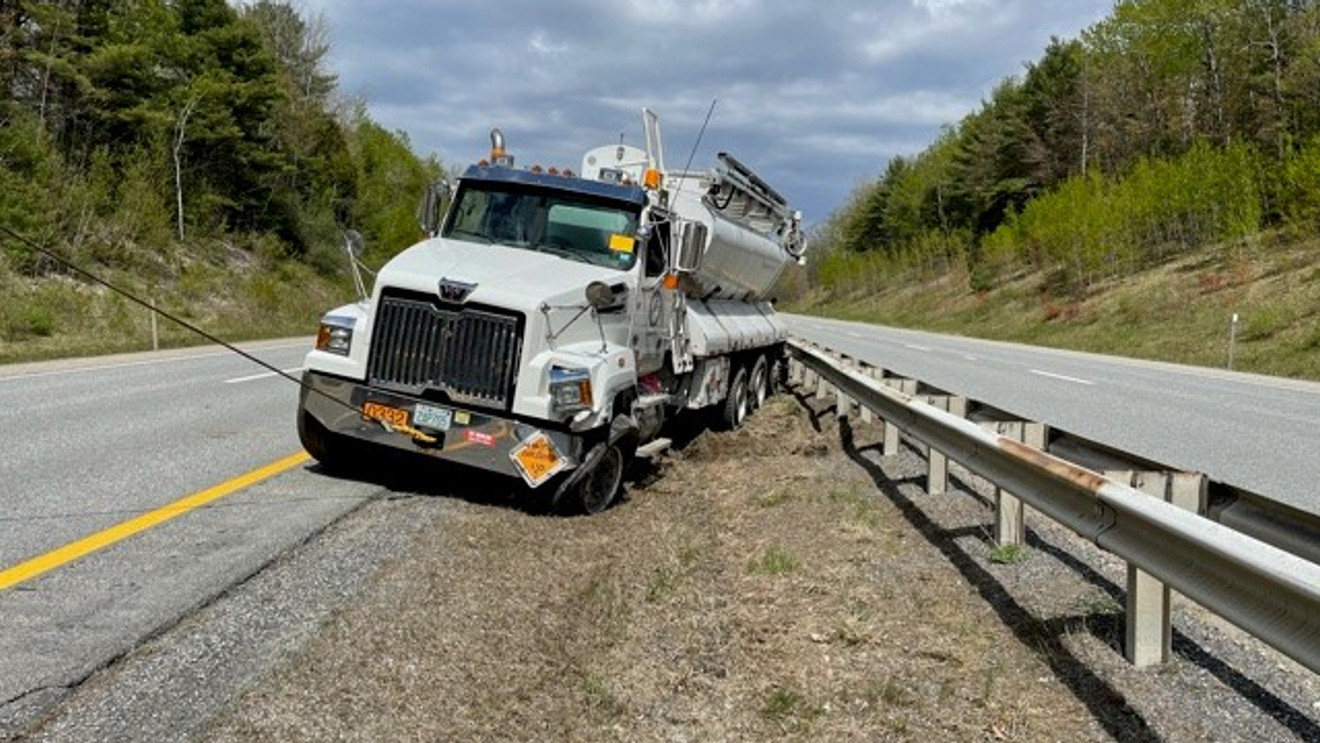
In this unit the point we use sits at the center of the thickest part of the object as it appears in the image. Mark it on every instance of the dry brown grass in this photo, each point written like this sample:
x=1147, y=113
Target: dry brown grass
x=756, y=588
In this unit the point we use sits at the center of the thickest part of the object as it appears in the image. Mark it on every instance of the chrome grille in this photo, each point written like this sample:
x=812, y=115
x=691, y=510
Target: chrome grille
x=469, y=354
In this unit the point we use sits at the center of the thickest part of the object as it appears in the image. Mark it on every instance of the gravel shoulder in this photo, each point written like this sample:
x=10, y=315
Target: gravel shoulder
x=782, y=581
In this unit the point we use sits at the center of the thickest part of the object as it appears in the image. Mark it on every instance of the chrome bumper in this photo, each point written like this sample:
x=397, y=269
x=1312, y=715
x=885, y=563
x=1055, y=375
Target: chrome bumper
x=474, y=438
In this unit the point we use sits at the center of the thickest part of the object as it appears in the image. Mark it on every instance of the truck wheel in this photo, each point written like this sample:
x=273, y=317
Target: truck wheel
x=598, y=488
x=330, y=449
x=759, y=386
x=735, y=405
x=778, y=376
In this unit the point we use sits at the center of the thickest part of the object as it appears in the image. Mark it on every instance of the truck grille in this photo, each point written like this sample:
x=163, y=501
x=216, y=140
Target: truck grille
x=468, y=354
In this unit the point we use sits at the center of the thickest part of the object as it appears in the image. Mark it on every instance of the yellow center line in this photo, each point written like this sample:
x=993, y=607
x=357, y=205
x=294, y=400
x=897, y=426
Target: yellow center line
x=30, y=569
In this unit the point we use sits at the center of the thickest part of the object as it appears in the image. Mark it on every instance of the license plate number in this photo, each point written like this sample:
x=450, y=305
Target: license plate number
x=433, y=417
x=391, y=415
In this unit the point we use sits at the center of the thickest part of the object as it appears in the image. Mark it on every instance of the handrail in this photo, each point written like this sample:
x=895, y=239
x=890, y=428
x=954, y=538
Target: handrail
x=1267, y=591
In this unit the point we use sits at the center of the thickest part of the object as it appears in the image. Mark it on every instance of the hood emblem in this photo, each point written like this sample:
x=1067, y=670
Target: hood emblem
x=455, y=291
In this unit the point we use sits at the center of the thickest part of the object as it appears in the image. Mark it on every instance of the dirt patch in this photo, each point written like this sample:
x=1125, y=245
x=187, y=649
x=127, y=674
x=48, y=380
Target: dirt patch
x=755, y=587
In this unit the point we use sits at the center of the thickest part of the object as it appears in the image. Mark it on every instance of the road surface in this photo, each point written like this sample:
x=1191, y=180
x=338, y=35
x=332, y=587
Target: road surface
x=1255, y=432
x=89, y=444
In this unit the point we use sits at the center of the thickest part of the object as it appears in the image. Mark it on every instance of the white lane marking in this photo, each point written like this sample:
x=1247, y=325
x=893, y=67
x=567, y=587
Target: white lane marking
x=128, y=364
x=970, y=357
x=851, y=334
x=263, y=375
x=915, y=347
x=1074, y=380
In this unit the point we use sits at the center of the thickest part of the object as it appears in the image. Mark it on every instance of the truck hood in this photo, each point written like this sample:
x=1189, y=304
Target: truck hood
x=504, y=277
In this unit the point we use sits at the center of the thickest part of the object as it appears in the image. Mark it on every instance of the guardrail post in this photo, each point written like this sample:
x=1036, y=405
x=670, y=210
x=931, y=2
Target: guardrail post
x=907, y=387
x=795, y=371
x=822, y=388
x=1187, y=490
x=1034, y=435
x=809, y=380
x=870, y=371
x=1149, y=627
x=1009, y=512
x=937, y=464
x=843, y=404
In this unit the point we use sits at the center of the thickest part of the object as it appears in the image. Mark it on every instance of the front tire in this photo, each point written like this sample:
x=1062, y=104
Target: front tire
x=332, y=451
x=599, y=487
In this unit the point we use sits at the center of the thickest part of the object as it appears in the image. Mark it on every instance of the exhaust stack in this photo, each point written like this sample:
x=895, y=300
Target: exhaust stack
x=498, y=155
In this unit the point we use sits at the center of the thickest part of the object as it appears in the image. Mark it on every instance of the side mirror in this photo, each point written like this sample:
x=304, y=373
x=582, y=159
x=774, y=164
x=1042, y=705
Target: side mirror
x=603, y=297
x=691, y=247
x=430, y=213
x=354, y=243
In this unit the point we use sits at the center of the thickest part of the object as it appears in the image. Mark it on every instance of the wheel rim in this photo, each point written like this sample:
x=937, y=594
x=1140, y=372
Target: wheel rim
x=603, y=481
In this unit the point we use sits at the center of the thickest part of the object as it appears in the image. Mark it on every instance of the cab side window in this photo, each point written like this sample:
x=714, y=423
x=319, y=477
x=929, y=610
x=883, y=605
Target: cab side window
x=657, y=248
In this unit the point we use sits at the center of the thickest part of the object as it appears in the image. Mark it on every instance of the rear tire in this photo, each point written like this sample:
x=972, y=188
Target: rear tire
x=735, y=405
x=758, y=387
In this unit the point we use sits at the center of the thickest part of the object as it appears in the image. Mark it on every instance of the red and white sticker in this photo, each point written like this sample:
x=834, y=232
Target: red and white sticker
x=477, y=437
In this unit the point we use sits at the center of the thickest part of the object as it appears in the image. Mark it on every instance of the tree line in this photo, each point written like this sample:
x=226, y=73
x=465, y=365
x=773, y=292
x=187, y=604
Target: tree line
x=131, y=127
x=1168, y=125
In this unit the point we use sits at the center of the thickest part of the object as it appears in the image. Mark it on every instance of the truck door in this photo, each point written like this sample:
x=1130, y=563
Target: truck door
x=653, y=318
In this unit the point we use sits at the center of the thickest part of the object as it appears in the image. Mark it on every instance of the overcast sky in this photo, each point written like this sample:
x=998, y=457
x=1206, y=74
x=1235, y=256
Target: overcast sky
x=815, y=95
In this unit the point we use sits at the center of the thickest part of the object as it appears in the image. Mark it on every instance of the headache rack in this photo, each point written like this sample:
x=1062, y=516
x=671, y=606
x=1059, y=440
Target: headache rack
x=459, y=354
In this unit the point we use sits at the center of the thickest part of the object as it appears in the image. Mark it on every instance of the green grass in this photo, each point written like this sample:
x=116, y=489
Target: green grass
x=861, y=508
x=1179, y=311
x=776, y=561
x=1008, y=554
x=890, y=693
x=789, y=708
x=59, y=316
x=662, y=582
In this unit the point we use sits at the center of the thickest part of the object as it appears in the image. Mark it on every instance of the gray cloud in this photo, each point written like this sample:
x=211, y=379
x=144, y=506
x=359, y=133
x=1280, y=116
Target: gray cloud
x=816, y=96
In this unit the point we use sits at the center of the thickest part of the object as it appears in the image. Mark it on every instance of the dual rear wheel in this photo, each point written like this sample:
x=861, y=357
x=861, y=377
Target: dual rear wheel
x=751, y=385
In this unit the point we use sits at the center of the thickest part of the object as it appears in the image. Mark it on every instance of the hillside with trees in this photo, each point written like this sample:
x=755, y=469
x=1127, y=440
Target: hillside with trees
x=188, y=149
x=1173, y=130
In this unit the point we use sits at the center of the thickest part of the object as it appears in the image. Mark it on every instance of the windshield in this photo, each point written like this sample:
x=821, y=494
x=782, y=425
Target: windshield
x=571, y=225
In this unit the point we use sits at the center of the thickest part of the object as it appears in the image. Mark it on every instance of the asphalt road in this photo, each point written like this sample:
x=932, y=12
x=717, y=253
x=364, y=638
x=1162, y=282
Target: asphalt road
x=87, y=444
x=1255, y=432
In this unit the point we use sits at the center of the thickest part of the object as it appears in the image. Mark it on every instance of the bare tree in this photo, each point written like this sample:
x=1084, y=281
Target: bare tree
x=180, y=132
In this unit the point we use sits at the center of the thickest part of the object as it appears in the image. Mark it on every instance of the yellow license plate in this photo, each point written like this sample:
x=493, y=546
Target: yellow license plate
x=397, y=417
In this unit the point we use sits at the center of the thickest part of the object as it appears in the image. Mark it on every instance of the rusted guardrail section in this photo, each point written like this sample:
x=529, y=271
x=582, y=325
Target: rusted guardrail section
x=1266, y=590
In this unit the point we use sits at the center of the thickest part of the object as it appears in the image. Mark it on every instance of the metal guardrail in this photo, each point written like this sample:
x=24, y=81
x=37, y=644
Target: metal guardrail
x=1267, y=590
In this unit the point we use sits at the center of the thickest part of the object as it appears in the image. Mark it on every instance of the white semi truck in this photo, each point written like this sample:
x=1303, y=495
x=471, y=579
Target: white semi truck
x=551, y=322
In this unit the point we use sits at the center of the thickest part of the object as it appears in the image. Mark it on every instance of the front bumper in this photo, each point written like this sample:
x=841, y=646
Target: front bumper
x=474, y=438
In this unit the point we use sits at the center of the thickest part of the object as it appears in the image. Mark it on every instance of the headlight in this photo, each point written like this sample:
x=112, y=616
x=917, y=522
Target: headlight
x=335, y=335
x=570, y=389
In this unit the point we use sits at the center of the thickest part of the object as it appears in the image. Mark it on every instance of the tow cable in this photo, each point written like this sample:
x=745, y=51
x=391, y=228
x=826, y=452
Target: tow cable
x=416, y=434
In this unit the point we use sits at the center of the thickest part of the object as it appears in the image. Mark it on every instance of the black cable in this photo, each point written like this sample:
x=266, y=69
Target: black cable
x=168, y=316
x=701, y=133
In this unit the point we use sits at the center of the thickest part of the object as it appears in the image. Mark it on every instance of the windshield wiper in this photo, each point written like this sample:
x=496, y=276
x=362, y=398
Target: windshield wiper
x=479, y=235
x=556, y=250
